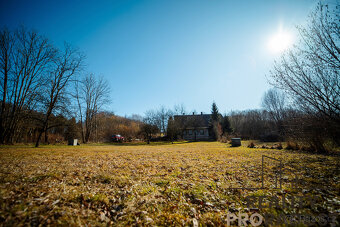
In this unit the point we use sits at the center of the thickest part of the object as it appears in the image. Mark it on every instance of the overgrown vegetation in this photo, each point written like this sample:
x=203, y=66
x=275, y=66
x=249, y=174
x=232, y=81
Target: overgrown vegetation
x=309, y=74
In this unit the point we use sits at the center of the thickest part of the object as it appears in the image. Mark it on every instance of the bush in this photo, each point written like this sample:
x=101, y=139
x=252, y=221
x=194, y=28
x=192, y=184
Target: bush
x=308, y=148
x=292, y=146
x=251, y=145
x=311, y=131
x=223, y=139
x=55, y=138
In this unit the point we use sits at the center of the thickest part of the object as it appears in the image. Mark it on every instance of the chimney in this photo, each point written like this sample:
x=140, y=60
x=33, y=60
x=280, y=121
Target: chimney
x=193, y=113
x=201, y=113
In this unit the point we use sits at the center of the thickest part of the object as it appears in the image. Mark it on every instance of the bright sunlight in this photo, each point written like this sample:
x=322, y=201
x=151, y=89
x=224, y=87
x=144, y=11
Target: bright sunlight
x=280, y=41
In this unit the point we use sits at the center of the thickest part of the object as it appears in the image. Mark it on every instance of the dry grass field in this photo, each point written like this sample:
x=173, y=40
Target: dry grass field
x=162, y=184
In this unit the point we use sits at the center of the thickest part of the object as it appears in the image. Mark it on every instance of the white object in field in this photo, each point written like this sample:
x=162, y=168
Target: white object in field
x=73, y=142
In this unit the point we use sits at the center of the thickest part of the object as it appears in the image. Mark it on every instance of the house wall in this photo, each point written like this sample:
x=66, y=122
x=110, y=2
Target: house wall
x=199, y=133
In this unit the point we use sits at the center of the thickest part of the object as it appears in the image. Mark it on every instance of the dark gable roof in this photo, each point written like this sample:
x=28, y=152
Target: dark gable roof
x=193, y=121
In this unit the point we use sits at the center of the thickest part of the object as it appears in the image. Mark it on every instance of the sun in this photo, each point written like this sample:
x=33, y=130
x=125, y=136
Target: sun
x=280, y=41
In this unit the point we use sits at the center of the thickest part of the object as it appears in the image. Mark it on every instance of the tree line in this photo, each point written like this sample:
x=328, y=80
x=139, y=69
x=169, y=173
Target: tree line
x=40, y=83
x=308, y=75
x=304, y=105
x=45, y=92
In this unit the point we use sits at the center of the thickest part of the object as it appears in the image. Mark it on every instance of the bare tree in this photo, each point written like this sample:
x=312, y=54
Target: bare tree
x=173, y=129
x=179, y=109
x=151, y=118
x=274, y=101
x=54, y=96
x=136, y=117
x=251, y=124
x=163, y=115
x=25, y=57
x=310, y=71
x=149, y=126
x=6, y=48
x=159, y=117
x=92, y=94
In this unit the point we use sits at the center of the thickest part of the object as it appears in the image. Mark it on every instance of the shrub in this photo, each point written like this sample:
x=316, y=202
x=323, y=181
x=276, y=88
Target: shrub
x=224, y=139
x=251, y=145
x=55, y=138
x=307, y=148
x=289, y=146
x=292, y=146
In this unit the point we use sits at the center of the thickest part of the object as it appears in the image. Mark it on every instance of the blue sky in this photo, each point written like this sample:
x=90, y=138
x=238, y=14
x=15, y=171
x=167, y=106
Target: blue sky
x=167, y=52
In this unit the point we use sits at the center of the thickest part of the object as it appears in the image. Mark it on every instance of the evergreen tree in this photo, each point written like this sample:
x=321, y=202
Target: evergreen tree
x=226, y=126
x=214, y=112
x=215, y=117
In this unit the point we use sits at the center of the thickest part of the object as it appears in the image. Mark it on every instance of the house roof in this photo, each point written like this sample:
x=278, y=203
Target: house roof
x=193, y=121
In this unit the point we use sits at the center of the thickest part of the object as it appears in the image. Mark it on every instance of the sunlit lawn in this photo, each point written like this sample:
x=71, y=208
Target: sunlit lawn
x=157, y=184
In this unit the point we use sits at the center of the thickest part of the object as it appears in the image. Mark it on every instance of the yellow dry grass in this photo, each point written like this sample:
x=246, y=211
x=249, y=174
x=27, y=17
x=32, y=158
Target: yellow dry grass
x=164, y=184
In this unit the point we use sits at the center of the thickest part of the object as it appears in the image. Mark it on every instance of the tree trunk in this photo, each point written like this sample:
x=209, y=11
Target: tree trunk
x=46, y=137
x=82, y=130
x=148, y=141
x=44, y=128
x=39, y=137
x=3, y=105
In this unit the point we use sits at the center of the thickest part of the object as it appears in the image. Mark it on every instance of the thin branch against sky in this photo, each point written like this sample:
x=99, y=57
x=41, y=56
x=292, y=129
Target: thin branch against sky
x=170, y=52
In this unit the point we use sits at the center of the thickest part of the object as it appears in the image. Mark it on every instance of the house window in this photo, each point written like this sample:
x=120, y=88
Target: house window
x=184, y=132
x=202, y=132
x=190, y=132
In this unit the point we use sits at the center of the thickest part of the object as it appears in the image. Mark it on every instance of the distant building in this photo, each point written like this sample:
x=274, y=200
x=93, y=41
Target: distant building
x=195, y=126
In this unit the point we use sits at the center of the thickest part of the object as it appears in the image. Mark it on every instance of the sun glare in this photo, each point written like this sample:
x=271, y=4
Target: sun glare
x=280, y=41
